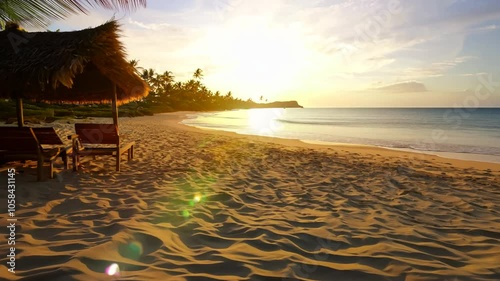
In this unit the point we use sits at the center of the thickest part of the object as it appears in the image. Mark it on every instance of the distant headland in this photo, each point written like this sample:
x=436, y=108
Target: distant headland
x=278, y=104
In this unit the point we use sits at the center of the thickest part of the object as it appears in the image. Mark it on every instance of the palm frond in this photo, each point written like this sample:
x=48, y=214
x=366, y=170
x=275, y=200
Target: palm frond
x=126, y=5
x=34, y=13
x=39, y=13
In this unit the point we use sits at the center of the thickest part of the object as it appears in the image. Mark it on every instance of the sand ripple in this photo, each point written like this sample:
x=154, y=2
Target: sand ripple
x=200, y=206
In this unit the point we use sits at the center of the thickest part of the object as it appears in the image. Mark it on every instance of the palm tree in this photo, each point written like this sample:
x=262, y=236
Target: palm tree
x=168, y=76
x=198, y=74
x=39, y=13
x=135, y=65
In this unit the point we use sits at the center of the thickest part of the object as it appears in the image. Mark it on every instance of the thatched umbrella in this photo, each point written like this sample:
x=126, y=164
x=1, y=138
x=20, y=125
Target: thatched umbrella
x=86, y=66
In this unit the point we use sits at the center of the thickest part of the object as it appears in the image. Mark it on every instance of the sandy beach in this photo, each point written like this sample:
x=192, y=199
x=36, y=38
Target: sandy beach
x=208, y=205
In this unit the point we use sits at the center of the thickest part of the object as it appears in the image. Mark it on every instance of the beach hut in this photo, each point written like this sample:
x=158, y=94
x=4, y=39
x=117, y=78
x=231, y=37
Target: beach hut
x=79, y=67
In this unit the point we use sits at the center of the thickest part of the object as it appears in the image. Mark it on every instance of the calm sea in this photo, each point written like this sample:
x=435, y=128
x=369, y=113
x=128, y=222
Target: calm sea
x=457, y=133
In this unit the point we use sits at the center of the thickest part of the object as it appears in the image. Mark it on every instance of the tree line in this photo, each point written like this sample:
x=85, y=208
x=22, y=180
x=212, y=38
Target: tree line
x=166, y=94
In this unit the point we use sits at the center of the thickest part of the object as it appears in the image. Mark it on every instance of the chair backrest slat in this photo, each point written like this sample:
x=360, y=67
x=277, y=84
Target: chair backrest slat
x=15, y=139
x=97, y=133
x=47, y=135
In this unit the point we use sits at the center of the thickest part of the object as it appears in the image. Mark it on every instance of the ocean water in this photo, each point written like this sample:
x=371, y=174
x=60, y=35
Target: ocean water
x=465, y=133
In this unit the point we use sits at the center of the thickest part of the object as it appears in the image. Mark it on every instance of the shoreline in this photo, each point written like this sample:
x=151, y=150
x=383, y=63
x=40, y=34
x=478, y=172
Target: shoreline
x=444, y=157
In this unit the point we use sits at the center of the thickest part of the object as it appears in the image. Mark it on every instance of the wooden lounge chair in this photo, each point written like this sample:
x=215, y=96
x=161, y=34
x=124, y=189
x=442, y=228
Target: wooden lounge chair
x=47, y=137
x=21, y=144
x=99, y=139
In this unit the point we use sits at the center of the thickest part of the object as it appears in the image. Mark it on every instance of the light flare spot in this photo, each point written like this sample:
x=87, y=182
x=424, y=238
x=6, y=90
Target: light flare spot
x=264, y=121
x=113, y=270
x=197, y=198
x=135, y=249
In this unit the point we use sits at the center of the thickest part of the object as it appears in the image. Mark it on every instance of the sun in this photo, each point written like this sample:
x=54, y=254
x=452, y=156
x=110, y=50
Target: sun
x=260, y=58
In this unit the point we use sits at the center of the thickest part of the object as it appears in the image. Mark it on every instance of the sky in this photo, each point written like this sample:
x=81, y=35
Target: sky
x=322, y=53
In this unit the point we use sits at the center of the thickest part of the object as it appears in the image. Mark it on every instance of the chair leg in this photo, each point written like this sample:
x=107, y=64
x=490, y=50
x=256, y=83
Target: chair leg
x=39, y=169
x=75, y=161
x=64, y=157
x=51, y=169
x=117, y=162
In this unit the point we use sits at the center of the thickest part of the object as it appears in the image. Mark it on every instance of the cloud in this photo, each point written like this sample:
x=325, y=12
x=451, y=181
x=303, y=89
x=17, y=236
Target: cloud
x=333, y=45
x=403, y=87
x=486, y=28
x=435, y=69
x=422, y=39
x=151, y=26
x=473, y=74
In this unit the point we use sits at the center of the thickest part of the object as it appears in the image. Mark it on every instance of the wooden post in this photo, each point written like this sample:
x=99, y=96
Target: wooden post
x=19, y=110
x=114, y=106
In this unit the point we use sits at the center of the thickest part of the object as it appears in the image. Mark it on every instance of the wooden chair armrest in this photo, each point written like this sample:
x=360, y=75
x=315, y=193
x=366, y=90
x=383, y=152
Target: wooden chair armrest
x=75, y=143
x=127, y=145
x=68, y=148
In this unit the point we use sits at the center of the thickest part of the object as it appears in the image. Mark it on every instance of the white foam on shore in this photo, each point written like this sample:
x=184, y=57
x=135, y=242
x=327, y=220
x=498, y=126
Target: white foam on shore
x=451, y=155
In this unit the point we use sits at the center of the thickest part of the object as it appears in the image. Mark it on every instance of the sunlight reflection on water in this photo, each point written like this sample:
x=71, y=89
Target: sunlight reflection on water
x=265, y=121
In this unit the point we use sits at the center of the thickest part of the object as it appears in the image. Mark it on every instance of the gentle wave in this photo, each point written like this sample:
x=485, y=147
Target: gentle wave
x=413, y=129
x=318, y=122
x=429, y=147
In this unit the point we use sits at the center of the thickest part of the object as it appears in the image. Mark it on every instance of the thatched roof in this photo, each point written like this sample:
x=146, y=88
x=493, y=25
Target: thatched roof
x=76, y=67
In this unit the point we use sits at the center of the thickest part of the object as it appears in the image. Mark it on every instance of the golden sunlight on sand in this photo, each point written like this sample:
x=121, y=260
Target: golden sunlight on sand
x=204, y=205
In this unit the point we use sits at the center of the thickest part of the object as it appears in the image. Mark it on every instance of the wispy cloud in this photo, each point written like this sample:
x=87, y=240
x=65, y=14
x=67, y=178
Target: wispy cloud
x=402, y=87
x=436, y=68
x=473, y=74
x=490, y=27
x=150, y=26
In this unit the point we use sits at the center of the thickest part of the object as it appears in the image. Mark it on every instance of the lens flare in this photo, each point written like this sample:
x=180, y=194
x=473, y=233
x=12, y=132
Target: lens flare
x=132, y=250
x=197, y=198
x=135, y=249
x=113, y=270
x=185, y=213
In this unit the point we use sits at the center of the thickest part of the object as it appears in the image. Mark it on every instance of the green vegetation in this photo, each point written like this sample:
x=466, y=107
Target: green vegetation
x=36, y=112
x=166, y=95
